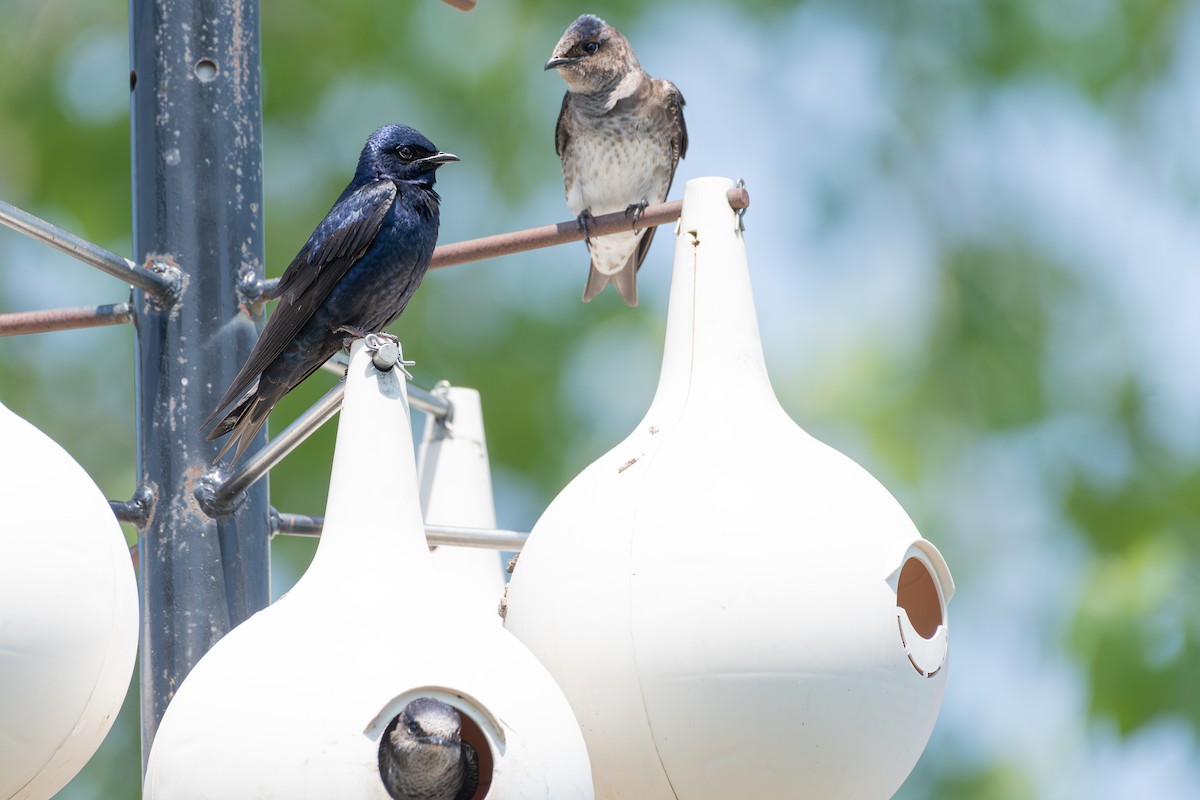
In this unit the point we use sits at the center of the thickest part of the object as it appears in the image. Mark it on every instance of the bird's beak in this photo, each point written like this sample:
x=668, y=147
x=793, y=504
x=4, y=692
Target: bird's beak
x=439, y=158
x=440, y=741
x=557, y=61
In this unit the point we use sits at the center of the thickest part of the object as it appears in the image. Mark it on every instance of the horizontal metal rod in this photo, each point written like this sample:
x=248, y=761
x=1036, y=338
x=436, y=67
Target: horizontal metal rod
x=437, y=407
x=487, y=538
x=422, y=400
x=437, y=535
x=549, y=235
x=504, y=244
x=65, y=319
x=160, y=279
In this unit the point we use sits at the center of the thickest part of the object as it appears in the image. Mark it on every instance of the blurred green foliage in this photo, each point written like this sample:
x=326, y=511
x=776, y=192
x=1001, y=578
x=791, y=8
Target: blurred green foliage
x=985, y=369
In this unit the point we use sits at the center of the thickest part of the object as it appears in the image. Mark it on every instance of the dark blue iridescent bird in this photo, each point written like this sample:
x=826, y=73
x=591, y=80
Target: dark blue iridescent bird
x=355, y=273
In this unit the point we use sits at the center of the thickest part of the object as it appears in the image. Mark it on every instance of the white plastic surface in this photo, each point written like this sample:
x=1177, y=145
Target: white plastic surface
x=713, y=594
x=456, y=491
x=291, y=703
x=68, y=614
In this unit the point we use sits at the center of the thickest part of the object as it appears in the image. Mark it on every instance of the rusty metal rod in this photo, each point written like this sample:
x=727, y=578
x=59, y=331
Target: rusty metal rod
x=65, y=319
x=504, y=244
x=549, y=235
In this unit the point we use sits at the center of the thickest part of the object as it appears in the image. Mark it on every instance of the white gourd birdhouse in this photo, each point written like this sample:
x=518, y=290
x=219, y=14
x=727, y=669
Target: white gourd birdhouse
x=68, y=614
x=456, y=491
x=733, y=608
x=293, y=702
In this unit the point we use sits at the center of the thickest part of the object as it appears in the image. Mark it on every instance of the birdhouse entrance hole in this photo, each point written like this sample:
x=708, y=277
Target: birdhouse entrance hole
x=474, y=719
x=921, y=614
x=917, y=594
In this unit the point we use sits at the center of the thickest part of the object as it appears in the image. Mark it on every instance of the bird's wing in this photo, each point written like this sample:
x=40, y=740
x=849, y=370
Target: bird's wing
x=679, y=137
x=470, y=768
x=639, y=255
x=561, y=136
x=337, y=243
x=679, y=143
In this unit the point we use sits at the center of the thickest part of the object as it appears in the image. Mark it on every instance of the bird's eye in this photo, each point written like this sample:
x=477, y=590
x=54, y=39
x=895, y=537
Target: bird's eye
x=591, y=47
x=406, y=153
x=413, y=727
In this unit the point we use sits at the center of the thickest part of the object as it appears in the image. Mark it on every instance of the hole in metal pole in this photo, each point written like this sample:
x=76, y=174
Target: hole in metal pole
x=132, y=79
x=206, y=70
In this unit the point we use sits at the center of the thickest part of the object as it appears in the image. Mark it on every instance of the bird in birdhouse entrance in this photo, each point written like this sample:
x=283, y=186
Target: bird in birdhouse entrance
x=422, y=755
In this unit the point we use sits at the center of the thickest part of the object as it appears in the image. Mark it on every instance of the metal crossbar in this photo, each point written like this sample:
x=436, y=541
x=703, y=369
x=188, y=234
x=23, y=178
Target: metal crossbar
x=159, y=278
x=447, y=255
x=436, y=535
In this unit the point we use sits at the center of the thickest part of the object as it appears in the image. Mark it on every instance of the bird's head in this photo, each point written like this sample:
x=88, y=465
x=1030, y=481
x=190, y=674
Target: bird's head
x=427, y=721
x=401, y=153
x=592, y=56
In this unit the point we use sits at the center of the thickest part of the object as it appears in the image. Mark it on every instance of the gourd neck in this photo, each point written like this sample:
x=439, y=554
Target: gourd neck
x=712, y=348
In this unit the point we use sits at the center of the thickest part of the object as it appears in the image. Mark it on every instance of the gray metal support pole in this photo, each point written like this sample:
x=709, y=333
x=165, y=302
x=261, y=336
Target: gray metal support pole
x=197, y=175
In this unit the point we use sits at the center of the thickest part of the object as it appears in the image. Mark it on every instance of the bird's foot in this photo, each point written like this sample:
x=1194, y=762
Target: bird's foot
x=635, y=210
x=584, y=220
x=354, y=333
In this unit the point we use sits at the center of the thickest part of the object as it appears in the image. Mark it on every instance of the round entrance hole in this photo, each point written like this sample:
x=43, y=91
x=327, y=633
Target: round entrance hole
x=478, y=728
x=923, y=586
x=917, y=594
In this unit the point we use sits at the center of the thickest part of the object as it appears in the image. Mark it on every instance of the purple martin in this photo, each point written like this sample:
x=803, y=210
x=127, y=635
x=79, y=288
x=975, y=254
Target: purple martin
x=422, y=755
x=620, y=136
x=356, y=273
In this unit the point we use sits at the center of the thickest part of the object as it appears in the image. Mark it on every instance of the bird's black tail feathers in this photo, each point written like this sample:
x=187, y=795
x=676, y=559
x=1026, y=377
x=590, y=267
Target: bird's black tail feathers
x=243, y=421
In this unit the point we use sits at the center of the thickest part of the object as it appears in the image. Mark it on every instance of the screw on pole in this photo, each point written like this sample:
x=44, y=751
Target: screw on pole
x=197, y=187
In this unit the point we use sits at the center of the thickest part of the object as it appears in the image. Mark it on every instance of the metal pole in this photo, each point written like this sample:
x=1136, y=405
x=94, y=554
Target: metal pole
x=197, y=188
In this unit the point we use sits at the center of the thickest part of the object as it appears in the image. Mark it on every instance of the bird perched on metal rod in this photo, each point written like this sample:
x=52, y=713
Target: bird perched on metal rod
x=422, y=755
x=355, y=274
x=620, y=136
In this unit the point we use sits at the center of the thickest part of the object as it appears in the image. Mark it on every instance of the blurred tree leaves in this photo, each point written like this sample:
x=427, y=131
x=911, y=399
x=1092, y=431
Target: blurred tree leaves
x=1138, y=623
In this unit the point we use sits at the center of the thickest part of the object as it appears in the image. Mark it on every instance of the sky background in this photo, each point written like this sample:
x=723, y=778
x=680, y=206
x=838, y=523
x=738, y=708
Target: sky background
x=975, y=250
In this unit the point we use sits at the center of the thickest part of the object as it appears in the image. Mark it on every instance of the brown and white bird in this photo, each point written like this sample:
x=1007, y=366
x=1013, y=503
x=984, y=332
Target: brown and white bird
x=422, y=755
x=620, y=136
